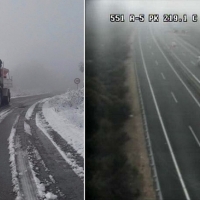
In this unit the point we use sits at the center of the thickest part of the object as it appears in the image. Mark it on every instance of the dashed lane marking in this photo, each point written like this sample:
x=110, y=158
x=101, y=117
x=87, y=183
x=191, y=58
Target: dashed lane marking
x=161, y=121
x=174, y=97
x=195, y=137
x=163, y=76
x=156, y=62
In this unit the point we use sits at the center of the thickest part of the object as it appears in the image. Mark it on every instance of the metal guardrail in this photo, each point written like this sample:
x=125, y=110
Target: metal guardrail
x=148, y=143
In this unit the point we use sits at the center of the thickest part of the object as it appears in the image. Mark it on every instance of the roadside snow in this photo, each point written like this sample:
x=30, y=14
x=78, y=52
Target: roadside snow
x=40, y=186
x=12, y=160
x=27, y=128
x=50, y=195
x=41, y=189
x=4, y=114
x=68, y=110
x=77, y=169
x=30, y=110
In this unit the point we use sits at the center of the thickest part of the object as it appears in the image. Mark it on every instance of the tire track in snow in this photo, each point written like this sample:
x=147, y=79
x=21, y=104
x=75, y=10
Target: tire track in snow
x=68, y=157
x=29, y=112
x=11, y=148
x=35, y=161
x=4, y=114
x=25, y=176
x=70, y=184
x=20, y=169
x=67, y=151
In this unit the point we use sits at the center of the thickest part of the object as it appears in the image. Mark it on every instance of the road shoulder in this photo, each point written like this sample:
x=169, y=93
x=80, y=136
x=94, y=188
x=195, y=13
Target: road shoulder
x=136, y=146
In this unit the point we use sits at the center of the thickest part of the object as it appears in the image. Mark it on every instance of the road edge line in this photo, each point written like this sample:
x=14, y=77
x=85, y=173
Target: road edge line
x=163, y=128
x=148, y=140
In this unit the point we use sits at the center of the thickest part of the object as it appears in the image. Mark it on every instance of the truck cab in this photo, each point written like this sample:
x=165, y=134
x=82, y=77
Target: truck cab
x=5, y=85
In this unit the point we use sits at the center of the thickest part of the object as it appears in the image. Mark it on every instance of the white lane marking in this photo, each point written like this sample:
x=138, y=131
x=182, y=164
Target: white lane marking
x=163, y=76
x=156, y=62
x=187, y=49
x=163, y=127
x=152, y=53
x=149, y=139
x=192, y=62
x=186, y=68
x=195, y=137
x=174, y=97
x=197, y=102
x=188, y=44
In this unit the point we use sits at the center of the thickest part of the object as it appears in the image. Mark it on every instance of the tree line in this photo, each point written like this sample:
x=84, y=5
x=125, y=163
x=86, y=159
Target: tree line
x=108, y=172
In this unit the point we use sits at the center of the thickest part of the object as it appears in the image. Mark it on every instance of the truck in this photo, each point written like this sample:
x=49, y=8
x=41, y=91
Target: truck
x=5, y=85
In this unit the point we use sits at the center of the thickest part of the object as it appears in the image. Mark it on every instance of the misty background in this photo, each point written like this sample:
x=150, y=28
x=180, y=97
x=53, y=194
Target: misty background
x=98, y=11
x=42, y=42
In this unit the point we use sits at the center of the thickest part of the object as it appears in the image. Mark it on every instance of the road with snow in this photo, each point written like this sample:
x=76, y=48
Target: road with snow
x=169, y=81
x=36, y=162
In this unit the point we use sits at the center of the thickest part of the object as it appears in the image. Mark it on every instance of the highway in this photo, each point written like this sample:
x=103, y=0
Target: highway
x=169, y=80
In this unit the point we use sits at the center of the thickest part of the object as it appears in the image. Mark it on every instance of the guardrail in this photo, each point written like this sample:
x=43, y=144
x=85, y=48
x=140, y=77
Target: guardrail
x=148, y=143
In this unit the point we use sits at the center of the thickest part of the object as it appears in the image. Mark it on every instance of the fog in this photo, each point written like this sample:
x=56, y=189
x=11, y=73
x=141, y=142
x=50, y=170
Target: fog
x=98, y=11
x=146, y=5
x=42, y=42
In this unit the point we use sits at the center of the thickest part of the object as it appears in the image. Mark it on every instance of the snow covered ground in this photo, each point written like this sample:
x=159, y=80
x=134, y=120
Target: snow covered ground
x=64, y=115
x=61, y=119
x=68, y=110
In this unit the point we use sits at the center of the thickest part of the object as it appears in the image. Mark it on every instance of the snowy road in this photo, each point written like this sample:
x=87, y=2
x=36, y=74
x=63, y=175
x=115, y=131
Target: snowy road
x=35, y=161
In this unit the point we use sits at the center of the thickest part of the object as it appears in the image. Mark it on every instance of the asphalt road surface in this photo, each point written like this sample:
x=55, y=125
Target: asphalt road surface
x=65, y=183
x=169, y=78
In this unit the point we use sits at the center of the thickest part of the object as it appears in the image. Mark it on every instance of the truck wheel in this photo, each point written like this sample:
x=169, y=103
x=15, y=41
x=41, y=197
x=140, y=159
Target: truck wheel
x=7, y=99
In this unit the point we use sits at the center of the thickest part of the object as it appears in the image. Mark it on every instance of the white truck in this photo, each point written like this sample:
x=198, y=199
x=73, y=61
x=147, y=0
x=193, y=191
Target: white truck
x=5, y=85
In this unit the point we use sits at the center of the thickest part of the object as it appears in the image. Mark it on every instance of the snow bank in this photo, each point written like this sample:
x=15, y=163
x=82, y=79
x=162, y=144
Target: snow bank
x=12, y=160
x=68, y=110
x=50, y=196
x=68, y=158
x=27, y=128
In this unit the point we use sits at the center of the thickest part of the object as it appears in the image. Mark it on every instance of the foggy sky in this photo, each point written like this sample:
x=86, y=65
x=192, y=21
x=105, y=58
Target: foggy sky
x=46, y=33
x=105, y=7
